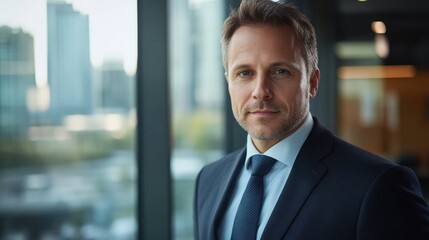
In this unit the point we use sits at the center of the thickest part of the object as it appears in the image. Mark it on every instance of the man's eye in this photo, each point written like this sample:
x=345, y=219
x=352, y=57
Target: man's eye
x=244, y=73
x=281, y=71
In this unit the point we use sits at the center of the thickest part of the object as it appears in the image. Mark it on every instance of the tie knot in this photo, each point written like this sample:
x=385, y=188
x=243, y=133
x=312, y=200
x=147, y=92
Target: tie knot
x=261, y=164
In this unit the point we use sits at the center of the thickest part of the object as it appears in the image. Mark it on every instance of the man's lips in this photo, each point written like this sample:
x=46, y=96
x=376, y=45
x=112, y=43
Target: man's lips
x=263, y=112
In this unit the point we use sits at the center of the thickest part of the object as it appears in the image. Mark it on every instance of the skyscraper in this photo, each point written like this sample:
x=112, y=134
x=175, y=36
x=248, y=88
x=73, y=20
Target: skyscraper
x=116, y=87
x=195, y=54
x=16, y=79
x=69, y=68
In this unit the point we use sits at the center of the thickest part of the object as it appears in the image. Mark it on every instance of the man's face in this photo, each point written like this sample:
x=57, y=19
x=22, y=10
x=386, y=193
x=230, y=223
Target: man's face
x=268, y=82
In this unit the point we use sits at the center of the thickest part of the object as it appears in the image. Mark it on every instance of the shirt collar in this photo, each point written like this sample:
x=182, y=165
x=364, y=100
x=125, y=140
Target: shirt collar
x=286, y=150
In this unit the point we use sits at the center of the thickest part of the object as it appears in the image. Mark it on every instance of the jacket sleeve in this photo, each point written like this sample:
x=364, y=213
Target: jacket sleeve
x=393, y=208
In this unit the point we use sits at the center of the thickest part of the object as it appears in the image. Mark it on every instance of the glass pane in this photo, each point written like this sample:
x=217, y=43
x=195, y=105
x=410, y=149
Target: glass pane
x=197, y=93
x=67, y=119
x=384, y=108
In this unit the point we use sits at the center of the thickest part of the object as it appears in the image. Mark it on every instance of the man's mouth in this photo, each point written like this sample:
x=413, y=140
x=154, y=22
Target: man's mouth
x=264, y=112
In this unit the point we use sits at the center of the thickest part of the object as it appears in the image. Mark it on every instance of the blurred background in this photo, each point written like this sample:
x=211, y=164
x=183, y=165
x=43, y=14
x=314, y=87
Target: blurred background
x=72, y=149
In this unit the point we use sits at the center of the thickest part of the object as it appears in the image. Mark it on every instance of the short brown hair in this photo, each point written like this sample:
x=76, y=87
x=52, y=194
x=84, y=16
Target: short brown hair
x=272, y=13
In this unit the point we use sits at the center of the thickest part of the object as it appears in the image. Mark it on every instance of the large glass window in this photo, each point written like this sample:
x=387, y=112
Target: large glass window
x=67, y=119
x=384, y=108
x=197, y=93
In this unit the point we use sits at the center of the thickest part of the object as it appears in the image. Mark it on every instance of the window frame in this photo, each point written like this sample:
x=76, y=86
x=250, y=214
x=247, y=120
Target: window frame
x=153, y=129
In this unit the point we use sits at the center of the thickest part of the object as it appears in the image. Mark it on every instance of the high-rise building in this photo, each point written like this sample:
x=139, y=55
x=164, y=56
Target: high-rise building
x=69, y=68
x=206, y=58
x=116, y=87
x=195, y=54
x=16, y=79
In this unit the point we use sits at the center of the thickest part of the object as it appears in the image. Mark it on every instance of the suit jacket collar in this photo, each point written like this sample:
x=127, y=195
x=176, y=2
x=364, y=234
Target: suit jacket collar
x=304, y=177
x=233, y=163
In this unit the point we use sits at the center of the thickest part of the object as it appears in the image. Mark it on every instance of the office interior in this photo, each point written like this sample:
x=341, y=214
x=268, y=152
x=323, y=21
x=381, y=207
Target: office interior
x=109, y=109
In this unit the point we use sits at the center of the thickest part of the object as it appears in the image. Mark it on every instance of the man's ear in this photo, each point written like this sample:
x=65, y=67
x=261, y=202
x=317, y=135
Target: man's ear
x=314, y=83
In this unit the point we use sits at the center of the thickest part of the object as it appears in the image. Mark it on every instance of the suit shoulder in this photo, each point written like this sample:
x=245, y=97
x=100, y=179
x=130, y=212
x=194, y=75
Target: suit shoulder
x=352, y=162
x=350, y=152
x=338, y=152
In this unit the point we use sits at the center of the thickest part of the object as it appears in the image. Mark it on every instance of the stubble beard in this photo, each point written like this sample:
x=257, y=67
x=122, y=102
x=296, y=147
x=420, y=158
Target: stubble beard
x=289, y=122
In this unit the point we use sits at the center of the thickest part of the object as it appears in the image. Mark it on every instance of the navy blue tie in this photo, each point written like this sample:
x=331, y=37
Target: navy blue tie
x=246, y=220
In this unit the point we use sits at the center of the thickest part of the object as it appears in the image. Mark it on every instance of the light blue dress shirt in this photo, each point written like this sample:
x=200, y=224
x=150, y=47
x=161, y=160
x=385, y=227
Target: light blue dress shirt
x=285, y=153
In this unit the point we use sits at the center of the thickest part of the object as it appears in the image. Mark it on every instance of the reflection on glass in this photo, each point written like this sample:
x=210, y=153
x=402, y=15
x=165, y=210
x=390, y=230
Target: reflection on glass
x=197, y=85
x=385, y=109
x=67, y=119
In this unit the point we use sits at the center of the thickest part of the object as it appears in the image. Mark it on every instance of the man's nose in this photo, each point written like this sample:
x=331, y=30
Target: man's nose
x=262, y=88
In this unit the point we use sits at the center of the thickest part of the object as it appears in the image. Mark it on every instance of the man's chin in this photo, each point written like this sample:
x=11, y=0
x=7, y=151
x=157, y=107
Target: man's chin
x=263, y=135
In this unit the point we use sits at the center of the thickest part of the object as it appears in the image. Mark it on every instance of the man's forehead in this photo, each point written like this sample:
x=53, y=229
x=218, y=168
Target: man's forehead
x=255, y=41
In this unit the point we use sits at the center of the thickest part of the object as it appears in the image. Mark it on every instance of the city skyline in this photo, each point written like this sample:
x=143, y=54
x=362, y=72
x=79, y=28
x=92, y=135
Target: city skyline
x=110, y=37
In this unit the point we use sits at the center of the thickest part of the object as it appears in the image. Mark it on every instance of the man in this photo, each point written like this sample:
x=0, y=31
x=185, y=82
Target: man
x=317, y=186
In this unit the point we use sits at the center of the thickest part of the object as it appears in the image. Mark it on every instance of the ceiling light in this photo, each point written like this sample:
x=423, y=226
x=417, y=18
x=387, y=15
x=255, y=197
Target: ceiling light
x=378, y=27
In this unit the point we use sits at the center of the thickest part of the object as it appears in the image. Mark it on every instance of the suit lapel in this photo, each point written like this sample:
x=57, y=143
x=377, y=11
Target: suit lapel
x=229, y=175
x=304, y=177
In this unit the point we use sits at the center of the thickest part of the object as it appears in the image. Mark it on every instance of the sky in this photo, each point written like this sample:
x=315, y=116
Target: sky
x=113, y=29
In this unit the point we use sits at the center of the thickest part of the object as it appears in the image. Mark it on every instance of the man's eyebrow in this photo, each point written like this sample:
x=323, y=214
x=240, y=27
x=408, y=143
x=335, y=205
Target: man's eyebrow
x=277, y=64
x=240, y=66
x=291, y=67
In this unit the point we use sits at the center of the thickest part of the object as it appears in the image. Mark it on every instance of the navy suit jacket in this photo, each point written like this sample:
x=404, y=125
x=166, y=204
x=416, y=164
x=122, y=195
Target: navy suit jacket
x=334, y=191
